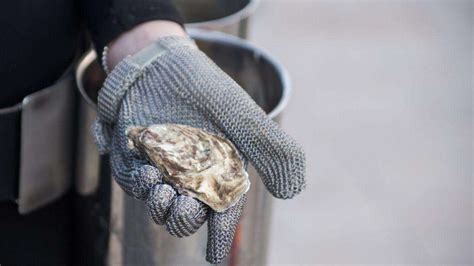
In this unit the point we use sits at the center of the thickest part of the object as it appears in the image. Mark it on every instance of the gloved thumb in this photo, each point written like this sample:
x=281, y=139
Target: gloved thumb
x=102, y=133
x=279, y=160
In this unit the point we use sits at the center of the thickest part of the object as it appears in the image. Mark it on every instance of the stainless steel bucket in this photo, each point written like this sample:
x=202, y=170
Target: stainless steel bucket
x=117, y=226
x=229, y=16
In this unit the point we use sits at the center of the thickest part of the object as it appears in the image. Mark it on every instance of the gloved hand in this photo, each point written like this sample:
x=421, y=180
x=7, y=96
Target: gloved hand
x=172, y=81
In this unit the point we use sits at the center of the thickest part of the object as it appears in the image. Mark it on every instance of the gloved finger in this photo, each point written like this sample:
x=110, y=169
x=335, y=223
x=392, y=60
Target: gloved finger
x=133, y=173
x=186, y=216
x=144, y=178
x=221, y=229
x=159, y=202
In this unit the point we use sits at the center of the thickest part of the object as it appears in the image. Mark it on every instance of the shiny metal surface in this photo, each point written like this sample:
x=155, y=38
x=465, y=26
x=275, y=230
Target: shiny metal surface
x=134, y=239
x=87, y=163
x=46, y=143
x=229, y=16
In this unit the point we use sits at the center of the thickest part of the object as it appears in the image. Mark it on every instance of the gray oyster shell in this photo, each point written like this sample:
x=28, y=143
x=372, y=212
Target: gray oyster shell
x=196, y=163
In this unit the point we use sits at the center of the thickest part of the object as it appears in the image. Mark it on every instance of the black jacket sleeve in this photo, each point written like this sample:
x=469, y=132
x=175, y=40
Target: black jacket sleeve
x=107, y=19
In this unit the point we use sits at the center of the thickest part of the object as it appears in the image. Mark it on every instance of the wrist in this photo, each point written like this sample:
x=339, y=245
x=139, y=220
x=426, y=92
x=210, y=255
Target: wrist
x=139, y=37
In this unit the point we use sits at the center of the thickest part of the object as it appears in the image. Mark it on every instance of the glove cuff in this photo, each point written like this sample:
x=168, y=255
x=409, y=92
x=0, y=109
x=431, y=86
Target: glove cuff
x=129, y=69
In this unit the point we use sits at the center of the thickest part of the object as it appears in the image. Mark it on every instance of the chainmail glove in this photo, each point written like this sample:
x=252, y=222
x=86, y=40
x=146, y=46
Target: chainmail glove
x=172, y=81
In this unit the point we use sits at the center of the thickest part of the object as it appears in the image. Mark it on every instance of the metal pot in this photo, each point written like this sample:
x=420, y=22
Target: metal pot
x=229, y=16
x=118, y=229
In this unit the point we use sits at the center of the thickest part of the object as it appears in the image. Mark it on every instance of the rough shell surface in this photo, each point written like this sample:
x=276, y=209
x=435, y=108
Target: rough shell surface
x=196, y=163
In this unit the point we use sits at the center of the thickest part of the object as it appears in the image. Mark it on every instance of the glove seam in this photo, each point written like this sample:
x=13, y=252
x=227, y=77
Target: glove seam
x=114, y=89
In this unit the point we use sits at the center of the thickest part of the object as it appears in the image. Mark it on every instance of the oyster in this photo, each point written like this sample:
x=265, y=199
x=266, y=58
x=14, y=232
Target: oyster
x=196, y=163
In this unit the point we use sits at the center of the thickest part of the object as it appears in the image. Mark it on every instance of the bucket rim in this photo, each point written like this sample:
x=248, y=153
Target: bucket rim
x=258, y=52
x=233, y=18
x=215, y=37
x=85, y=61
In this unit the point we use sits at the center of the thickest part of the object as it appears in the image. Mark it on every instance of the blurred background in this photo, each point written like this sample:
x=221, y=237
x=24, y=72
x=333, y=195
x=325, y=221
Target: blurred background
x=382, y=104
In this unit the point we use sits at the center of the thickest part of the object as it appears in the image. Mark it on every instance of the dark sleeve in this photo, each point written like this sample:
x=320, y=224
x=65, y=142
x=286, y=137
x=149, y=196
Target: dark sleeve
x=107, y=19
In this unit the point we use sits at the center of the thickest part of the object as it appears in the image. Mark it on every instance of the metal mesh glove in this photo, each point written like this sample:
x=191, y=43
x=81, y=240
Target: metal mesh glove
x=172, y=81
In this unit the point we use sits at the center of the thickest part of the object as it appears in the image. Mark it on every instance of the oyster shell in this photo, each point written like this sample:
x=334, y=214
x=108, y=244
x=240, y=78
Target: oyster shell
x=196, y=163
